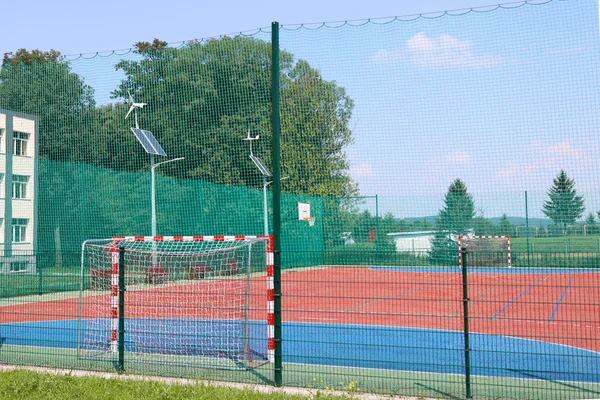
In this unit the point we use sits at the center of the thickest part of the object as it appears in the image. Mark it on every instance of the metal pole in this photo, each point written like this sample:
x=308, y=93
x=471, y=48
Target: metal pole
x=527, y=228
x=153, y=189
x=265, y=206
x=121, y=328
x=377, y=229
x=153, y=167
x=276, y=149
x=465, y=282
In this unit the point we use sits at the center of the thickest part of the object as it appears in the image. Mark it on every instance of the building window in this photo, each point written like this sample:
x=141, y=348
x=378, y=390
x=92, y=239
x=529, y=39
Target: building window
x=20, y=143
x=20, y=186
x=18, y=266
x=19, y=226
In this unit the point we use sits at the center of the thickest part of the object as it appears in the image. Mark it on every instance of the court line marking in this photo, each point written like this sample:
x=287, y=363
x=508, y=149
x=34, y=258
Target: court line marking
x=561, y=299
x=518, y=297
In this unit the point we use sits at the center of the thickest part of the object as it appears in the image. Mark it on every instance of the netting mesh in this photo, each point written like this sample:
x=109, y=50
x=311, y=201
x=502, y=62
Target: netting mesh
x=196, y=303
x=485, y=251
x=402, y=134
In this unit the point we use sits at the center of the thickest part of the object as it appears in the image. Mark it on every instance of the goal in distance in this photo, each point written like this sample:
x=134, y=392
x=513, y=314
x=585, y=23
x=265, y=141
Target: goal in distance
x=485, y=251
x=190, y=300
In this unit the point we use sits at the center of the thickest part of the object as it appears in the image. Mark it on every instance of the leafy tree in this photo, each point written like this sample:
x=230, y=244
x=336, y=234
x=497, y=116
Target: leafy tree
x=455, y=218
x=204, y=97
x=42, y=83
x=563, y=206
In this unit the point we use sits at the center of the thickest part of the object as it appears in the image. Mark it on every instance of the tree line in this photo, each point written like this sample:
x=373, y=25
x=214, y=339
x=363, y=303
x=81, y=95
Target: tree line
x=202, y=100
x=458, y=216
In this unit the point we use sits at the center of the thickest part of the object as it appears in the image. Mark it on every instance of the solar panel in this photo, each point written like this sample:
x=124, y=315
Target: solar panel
x=261, y=167
x=148, y=142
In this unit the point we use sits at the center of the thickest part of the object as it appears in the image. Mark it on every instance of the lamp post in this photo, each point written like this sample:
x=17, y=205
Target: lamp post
x=153, y=166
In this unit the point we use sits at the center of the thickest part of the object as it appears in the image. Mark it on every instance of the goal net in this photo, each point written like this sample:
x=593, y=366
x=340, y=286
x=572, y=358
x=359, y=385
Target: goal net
x=196, y=301
x=485, y=251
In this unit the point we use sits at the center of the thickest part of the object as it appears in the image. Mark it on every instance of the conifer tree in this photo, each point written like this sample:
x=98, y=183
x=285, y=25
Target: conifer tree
x=564, y=206
x=454, y=219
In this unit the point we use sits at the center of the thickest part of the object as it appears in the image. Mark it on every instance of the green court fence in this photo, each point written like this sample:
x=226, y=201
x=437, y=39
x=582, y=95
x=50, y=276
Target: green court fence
x=400, y=134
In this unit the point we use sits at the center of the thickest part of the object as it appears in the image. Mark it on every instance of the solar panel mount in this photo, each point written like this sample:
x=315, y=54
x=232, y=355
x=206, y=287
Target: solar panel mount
x=261, y=166
x=148, y=142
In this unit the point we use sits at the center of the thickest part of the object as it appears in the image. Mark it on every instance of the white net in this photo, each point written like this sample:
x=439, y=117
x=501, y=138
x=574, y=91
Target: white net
x=486, y=251
x=194, y=302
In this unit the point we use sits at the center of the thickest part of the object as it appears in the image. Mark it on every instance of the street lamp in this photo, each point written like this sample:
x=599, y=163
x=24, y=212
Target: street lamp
x=153, y=166
x=264, y=171
x=152, y=147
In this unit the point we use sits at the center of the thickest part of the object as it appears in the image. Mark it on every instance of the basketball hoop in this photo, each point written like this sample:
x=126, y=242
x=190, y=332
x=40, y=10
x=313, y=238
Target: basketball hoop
x=311, y=221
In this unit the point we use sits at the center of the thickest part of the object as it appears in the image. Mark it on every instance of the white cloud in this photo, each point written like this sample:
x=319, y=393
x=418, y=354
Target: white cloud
x=564, y=149
x=384, y=56
x=362, y=170
x=447, y=51
x=459, y=157
x=514, y=170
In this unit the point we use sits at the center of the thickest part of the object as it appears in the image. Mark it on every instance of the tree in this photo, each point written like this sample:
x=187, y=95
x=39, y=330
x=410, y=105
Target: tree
x=41, y=83
x=454, y=219
x=563, y=206
x=204, y=97
x=591, y=227
x=506, y=228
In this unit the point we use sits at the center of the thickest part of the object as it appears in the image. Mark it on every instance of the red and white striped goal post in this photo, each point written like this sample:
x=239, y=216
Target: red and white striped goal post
x=114, y=293
x=461, y=238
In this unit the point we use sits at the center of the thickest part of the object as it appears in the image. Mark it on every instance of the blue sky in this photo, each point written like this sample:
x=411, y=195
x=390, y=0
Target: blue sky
x=501, y=99
x=76, y=27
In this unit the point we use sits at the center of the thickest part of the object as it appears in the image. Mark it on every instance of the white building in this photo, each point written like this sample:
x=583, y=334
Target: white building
x=417, y=243
x=18, y=187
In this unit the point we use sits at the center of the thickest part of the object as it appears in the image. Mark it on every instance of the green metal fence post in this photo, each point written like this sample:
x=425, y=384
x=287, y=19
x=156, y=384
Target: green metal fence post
x=377, y=245
x=527, y=229
x=465, y=257
x=40, y=281
x=121, y=329
x=275, y=148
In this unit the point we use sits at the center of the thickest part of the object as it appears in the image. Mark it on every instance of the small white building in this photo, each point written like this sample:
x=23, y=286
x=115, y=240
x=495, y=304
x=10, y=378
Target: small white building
x=18, y=190
x=417, y=243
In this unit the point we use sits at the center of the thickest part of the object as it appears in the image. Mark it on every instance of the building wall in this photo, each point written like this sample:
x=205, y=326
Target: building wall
x=18, y=256
x=418, y=245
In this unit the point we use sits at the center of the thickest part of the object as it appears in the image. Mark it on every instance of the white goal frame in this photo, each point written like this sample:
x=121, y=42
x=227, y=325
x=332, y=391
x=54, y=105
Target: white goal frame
x=113, y=244
x=463, y=237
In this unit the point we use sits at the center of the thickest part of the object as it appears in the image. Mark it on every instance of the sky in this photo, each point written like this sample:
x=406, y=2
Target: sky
x=502, y=100
x=81, y=27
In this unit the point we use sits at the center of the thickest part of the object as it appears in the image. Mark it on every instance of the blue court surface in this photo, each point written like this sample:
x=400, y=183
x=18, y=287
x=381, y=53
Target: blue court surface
x=365, y=346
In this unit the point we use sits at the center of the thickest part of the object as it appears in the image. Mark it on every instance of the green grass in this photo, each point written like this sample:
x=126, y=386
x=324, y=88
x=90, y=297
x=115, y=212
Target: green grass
x=586, y=244
x=50, y=281
x=21, y=384
x=317, y=378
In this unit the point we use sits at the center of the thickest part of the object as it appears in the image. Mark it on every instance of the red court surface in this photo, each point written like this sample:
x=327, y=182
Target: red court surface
x=561, y=308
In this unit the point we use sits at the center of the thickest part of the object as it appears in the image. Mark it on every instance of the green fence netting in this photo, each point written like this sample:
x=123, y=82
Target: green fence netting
x=402, y=135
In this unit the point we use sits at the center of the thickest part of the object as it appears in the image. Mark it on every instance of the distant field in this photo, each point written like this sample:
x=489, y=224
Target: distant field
x=584, y=244
x=50, y=280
